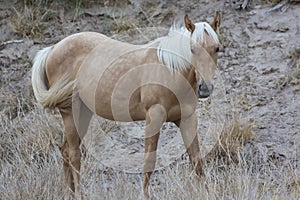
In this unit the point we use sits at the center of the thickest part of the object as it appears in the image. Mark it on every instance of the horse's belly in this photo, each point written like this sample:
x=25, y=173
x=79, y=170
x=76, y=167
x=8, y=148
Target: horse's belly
x=106, y=100
x=117, y=106
x=120, y=115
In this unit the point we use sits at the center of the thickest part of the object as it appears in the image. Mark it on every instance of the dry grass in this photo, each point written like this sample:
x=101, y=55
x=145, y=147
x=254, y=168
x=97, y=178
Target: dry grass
x=244, y=101
x=292, y=77
x=28, y=22
x=122, y=24
x=31, y=17
x=231, y=141
x=31, y=168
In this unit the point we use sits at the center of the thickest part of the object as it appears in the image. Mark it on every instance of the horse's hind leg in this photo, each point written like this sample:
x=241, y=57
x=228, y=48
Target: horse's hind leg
x=76, y=121
x=68, y=177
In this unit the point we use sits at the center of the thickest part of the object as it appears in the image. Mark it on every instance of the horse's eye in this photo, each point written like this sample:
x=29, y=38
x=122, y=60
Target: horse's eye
x=217, y=49
x=192, y=50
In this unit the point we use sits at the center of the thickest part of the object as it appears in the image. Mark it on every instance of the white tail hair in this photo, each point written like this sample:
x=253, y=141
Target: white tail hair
x=58, y=93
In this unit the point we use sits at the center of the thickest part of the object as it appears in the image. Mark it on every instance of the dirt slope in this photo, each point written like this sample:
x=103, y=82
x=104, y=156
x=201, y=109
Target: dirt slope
x=258, y=72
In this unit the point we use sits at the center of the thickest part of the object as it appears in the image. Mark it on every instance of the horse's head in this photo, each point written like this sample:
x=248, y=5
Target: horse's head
x=204, y=45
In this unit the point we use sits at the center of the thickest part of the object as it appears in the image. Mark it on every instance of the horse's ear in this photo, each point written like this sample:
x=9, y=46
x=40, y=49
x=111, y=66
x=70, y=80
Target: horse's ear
x=190, y=26
x=215, y=24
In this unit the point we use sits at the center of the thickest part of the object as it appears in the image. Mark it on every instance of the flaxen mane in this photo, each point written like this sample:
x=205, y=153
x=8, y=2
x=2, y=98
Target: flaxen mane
x=174, y=50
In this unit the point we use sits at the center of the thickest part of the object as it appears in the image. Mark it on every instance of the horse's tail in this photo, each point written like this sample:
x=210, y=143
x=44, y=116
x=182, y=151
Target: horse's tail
x=59, y=93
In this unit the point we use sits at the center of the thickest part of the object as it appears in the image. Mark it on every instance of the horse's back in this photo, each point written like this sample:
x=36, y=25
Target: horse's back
x=68, y=54
x=103, y=69
x=83, y=57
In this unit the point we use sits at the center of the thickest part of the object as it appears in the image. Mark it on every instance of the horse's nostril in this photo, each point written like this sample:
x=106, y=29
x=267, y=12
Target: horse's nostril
x=205, y=90
x=203, y=87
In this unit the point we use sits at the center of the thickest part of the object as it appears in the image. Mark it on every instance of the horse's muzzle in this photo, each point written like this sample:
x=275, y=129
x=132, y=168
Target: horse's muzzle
x=205, y=90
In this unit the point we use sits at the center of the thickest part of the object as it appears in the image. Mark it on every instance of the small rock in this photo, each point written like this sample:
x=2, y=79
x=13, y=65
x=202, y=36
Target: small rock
x=281, y=27
x=251, y=45
x=262, y=126
x=229, y=68
x=223, y=63
x=262, y=26
x=235, y=62
x=252, y=12
x=232, y=53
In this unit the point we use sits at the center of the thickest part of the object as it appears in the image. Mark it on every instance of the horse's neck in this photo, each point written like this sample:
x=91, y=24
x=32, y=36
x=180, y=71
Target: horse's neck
x=190, y=76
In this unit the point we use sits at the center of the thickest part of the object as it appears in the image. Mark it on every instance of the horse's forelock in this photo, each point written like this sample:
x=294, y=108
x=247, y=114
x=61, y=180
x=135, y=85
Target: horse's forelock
x=200, y=31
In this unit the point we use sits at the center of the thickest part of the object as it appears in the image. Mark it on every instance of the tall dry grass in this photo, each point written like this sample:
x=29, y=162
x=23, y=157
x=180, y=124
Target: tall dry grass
x=31, y=168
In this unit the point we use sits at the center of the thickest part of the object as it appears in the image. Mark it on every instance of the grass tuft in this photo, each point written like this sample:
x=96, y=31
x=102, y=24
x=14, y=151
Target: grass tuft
x=122, y=24
x=29, y=22
x=231, y=141
x=291, y=78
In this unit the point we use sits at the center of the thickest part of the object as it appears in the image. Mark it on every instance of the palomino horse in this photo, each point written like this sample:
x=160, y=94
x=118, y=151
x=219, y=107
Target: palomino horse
x=158, y=82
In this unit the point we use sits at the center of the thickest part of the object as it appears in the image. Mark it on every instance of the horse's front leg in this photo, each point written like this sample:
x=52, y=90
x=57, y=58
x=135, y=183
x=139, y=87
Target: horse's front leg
x=155, y=118
x=188, y=128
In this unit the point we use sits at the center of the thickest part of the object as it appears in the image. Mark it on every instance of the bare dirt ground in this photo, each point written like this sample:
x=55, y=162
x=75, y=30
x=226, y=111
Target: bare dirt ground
x=258, y=80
